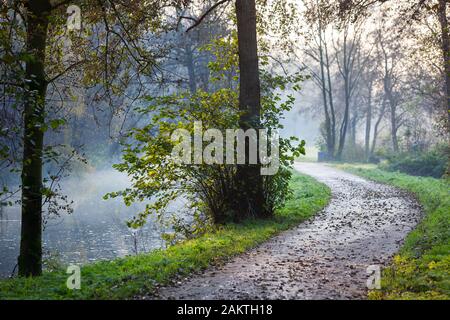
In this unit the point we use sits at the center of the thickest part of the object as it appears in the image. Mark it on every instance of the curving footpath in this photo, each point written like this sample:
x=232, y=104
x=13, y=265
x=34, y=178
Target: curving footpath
x=325, y=257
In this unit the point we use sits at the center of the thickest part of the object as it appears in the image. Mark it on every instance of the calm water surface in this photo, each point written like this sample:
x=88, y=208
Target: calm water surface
x=95, y=230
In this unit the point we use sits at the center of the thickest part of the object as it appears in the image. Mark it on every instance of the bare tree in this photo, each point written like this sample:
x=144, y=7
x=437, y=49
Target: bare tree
x=317, y=49
x=348, y=53
x=415, y=10
x=390, y=59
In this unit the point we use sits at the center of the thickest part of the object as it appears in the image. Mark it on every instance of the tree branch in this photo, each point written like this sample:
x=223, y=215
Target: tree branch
x=204, y=15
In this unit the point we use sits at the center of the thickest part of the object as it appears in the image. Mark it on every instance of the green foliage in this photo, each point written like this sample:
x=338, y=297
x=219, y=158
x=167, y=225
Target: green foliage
x=421, y=270
x=157, y=176
x=209, y=188
x=224, y=67
x=137, y=275
x=112, y=44
x=431, y=163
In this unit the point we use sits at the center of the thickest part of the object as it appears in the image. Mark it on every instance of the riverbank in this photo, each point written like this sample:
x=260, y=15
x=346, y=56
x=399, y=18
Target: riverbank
x=421, y=269
x=133, y=276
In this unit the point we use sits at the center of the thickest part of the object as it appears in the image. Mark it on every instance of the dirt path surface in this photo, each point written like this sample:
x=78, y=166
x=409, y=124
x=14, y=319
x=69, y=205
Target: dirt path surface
x=324, y=258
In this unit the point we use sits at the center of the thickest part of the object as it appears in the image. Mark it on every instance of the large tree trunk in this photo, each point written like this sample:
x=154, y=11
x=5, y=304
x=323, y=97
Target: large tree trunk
x=446, y=52
x=250, y=196
x=30, y=258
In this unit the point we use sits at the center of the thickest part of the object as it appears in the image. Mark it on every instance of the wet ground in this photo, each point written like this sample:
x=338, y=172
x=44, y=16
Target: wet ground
x=324, y=258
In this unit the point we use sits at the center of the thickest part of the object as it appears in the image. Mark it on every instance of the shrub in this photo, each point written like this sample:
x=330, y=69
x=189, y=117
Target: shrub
x=210, y=189
x=433, y=163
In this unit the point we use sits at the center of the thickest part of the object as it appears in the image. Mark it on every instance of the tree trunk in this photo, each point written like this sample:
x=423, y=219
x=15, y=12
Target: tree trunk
x=189, y=61
x=250, y=196
x=30, y=258
x=393, y=111
x=394, y=128
x=329, y=141
x=375, y=129
x=368, y=124
x=345, y=120
x=446, y=53
x=353, y=123
x=388, y=90
x=330, y=98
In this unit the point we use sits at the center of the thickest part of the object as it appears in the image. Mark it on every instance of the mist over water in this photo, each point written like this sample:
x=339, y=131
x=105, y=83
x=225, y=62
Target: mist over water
x=96, y=229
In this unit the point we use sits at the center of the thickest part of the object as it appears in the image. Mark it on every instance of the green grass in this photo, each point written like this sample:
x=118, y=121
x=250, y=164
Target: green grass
x=421, y=269
x=135, y=275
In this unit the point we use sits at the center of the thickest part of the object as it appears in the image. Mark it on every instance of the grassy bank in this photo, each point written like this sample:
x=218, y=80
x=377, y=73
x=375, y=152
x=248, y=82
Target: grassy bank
x=421, y=270
x=127, y=277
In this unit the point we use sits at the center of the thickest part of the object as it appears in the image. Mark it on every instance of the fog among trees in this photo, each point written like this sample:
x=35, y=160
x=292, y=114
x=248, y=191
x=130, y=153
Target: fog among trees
x=88, y=87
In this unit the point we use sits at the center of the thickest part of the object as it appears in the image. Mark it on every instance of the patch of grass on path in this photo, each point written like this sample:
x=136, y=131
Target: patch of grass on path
x=421, y=270
x=135, y=275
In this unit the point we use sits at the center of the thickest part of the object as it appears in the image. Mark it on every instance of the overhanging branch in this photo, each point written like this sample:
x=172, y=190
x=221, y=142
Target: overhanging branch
x=204, y=15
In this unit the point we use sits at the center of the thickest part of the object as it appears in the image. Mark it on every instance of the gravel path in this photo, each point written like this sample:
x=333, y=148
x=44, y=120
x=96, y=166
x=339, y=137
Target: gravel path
x=323, y=258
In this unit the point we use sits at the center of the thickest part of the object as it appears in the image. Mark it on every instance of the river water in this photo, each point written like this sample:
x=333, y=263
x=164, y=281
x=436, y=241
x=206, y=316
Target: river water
x=95, y=230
